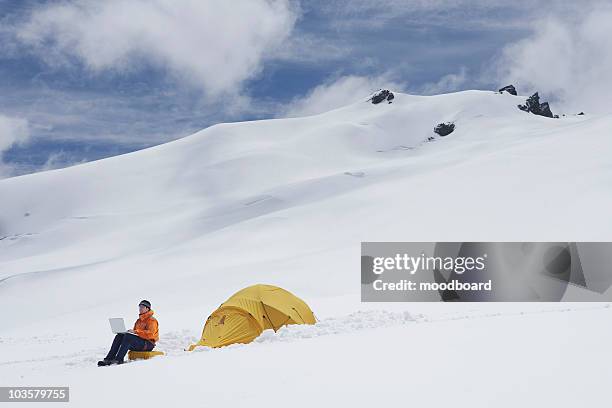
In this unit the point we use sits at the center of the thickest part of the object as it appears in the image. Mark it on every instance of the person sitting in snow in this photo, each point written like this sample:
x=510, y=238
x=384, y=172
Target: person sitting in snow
x=141, y=338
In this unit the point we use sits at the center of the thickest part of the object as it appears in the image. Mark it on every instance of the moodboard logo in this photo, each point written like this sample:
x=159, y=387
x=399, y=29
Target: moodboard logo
x=486, y=271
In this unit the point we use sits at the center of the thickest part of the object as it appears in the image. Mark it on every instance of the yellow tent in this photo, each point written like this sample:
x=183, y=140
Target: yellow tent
x=251, y=311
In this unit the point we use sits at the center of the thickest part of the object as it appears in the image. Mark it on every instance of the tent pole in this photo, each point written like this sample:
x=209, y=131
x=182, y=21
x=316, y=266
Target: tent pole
x=296, y=311
x=267, y=314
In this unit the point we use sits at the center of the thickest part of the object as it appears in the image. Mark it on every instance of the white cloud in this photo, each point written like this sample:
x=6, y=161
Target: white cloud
x=337, y=93
x=566, y=59
x=12, y=131
x=448, y=13
x=448, y=83
x=60, y=160
x=305, y=47
x=214, y=45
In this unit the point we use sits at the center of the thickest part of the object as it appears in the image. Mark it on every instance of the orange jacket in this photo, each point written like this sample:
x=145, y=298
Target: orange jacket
x=146, y=327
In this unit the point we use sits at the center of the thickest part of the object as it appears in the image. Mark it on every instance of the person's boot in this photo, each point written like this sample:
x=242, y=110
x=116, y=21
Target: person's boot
x=116, y=362
x=103, y=363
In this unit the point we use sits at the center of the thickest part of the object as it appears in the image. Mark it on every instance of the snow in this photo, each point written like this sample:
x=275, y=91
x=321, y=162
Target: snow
x=287, y=202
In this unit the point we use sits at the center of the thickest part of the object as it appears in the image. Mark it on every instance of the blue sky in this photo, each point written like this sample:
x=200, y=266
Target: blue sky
x=83, y=80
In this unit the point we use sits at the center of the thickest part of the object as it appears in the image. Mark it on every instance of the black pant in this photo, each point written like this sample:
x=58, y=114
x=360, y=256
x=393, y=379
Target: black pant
x=124, y=342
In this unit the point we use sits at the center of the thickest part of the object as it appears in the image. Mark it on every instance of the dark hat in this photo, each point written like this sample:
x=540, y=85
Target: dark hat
x=145, y=303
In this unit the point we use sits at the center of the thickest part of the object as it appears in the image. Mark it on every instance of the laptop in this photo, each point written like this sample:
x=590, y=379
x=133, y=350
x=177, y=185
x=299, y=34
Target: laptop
x=117, y=325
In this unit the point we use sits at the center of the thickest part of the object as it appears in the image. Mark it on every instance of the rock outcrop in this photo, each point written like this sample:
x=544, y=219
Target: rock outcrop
x=510, y=89
x=444, y=129
x=382, y=95
x=534, y=106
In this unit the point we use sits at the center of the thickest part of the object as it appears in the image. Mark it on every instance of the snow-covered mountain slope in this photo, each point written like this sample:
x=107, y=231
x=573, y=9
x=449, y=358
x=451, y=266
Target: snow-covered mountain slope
x=287, y=202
